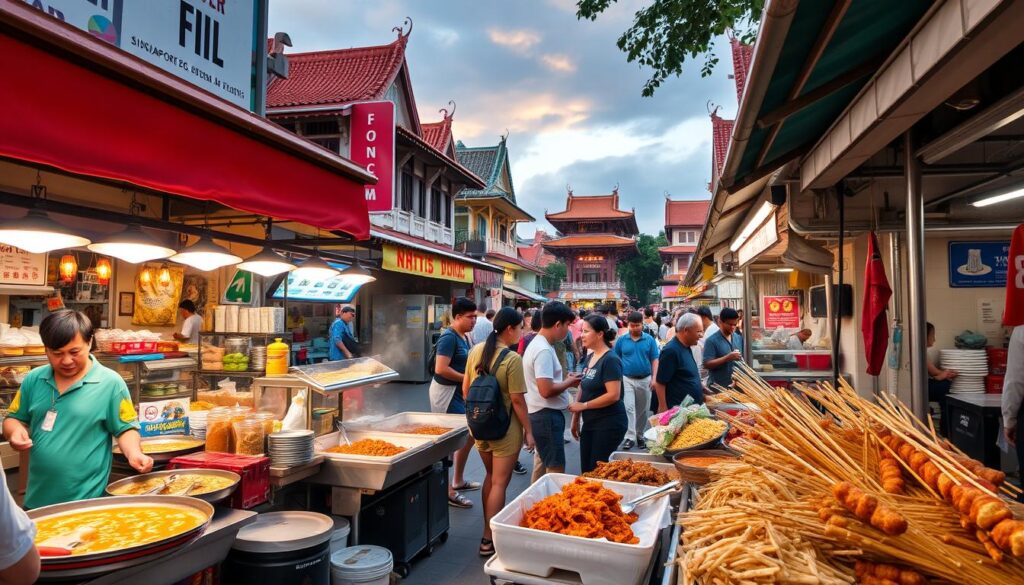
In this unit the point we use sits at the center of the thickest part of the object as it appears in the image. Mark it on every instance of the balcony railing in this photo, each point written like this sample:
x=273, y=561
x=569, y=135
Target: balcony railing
x=408, y=223
x=499, y=247
x=590, y=286
x=468, y=243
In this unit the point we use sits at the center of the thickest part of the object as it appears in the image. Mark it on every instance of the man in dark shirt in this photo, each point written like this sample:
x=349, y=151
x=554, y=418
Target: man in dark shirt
x=723, y=349
x=678, y=375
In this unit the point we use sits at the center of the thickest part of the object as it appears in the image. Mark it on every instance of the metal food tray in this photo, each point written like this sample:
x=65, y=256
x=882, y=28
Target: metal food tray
x=377, y=473
x=310, y=373
x=386, y=426
x=211, y=497
x=165, y=455
x=656, y=461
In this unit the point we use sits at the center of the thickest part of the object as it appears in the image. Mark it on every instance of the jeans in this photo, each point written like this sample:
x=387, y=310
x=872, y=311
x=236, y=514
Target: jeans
x=598, y=444
x=548, y=427
x=637, y=399
x=937, y=391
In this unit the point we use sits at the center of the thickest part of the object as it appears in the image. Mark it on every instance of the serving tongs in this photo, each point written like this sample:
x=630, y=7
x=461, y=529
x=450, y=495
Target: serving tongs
x=167, y=482
x=65, y=544
x=344, y=435
x=631, y=505
x=187, y=489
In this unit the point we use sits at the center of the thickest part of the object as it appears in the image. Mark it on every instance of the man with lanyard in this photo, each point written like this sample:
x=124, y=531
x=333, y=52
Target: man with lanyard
x=449, y=369
x=639, y=354
x=343, y=343
x=722, y=349
x=677, y=375
x=66, y=412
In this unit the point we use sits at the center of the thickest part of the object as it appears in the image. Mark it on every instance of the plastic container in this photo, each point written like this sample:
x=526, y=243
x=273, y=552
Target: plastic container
x=812, y=361
x=598, y=562
x=249, y=437
x=253, y=489
x=218, y=430
x=339, y=538
x=277, y=358
x=997, y=360
x=281, y=547
x=993, y=384
x=267, y=418
x=362, y=565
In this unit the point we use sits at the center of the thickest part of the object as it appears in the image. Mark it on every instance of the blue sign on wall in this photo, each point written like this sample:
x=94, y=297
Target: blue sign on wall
x=978, y=264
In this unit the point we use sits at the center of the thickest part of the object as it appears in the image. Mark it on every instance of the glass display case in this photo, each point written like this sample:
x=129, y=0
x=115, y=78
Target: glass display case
x=154, y=379
x=239, y=357
x=12, y=372
x=792, y=364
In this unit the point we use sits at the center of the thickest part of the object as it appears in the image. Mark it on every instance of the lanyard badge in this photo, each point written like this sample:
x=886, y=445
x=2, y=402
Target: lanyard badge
x=51, y=415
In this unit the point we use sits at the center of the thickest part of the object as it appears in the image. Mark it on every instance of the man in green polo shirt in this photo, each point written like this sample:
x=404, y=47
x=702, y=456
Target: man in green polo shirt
x=65, y=414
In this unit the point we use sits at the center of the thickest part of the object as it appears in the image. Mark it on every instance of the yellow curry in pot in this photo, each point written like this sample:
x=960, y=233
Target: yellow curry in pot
x=121, y=527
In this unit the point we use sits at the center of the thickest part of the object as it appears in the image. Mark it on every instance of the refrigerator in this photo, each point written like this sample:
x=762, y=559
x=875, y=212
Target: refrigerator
x=404, y=330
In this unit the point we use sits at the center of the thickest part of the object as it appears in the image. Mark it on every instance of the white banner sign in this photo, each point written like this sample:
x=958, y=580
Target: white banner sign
x=207, y=43
x=20, y=267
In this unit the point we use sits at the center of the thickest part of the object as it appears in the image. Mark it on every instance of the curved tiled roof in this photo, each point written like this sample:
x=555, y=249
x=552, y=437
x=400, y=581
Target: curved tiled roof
x=590, y=207
x=438, y=134
x=677, y=249
x=686, y=212
x=742, y=54
x=590, y=240
x=337, y=77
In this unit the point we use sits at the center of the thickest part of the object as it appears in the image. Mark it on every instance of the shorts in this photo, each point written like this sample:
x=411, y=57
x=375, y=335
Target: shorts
x=441, y=396
x=548, y=428
x=507, y=446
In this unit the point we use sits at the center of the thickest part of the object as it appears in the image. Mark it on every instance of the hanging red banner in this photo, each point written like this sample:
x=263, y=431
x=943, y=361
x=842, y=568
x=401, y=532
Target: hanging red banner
x=373, y=146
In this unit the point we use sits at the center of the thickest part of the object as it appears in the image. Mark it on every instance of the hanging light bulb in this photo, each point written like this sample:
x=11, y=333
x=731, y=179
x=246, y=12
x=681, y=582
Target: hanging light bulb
x=68, y=268
x=37, y=233
x=103, y=271
x=146, y=276
x=314, y=268
x=205, y=255
x=164, y=279
x=132, y=245
x=357, y=274
x=267, y=262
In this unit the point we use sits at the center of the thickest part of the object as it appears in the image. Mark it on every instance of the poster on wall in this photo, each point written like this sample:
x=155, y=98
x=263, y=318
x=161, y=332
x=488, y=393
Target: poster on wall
x=193, y=288
x=781, y=311
x=156, y=302
x=163, y=417
x=20, y=267
x=978, y=264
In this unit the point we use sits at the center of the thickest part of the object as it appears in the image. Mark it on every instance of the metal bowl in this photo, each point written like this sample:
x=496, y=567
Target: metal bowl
x=713, y=443
x=211, y=497
x=90, y=564
x=699, y=475
x=164, y=455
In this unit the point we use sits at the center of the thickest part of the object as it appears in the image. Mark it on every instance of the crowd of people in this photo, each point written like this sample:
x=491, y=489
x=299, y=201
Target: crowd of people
x=563, y=374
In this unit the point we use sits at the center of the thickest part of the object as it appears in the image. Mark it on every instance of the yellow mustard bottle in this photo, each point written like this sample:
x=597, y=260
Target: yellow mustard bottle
x=277, y=358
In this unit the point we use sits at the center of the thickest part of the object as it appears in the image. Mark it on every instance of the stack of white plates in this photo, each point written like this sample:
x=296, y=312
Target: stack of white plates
x=971, y=366
x=291, y=448
x=197, y=423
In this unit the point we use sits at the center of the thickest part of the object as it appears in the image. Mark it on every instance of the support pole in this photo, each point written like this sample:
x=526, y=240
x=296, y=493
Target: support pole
x=915, y=280
x=747, y=309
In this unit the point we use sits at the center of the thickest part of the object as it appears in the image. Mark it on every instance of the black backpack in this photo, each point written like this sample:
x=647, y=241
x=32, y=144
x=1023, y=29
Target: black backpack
x=432, y=356
x=486, y=415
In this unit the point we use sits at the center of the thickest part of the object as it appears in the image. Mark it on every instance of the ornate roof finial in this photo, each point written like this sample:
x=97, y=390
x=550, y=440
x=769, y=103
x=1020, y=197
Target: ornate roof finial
x=445, y=113
x=713, y=108
x=568, y=188
x=615, y=189
x=402, y=33
x=668, y=196
x=504, y=136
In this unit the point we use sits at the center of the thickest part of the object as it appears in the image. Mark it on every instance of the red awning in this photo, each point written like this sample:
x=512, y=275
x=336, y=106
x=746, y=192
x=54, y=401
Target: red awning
x=72, y=102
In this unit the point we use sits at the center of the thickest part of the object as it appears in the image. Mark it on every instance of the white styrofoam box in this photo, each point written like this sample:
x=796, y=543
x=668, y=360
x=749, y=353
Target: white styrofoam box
x=220, y=318
x=231, y=319
x=243, y=320
x=266, y=320
x=597, y=561
x=278, y=320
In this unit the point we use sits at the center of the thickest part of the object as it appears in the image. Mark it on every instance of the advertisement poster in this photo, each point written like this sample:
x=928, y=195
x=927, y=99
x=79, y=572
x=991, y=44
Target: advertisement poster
x=20, y=267
x=164, y=417
x=156, y=304
x=781, y=311
x=193, y=288
x=207, y=44
x=978, y=264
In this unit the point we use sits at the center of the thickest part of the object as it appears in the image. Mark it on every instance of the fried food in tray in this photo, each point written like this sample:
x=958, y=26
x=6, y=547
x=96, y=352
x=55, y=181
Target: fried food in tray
x=583, y=508
x=421, y=430
x=371, y=447
x=629, y=471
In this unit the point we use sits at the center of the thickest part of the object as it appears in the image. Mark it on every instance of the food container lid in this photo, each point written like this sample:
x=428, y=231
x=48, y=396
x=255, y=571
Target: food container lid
x=360, y=560
x=284, y=532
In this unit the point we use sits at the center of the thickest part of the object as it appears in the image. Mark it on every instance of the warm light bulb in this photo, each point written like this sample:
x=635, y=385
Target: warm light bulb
x=103, y=271
x=165, y=276
x=68, y=268
x=145, y=277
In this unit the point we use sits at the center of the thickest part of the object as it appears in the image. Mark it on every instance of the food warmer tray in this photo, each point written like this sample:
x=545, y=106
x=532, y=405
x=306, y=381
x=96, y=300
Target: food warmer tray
x=377, y=473
x=656, y=461
x=164, y=455
x=211, y=497
x=77, y=567
x=312, y=374
x=387, y=426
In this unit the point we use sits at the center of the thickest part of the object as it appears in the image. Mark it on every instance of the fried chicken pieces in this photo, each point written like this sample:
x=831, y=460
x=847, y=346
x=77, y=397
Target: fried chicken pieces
x=629, y=471
x=583, y=508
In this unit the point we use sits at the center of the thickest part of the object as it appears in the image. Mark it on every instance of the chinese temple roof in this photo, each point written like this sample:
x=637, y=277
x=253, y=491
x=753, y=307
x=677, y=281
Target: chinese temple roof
x=686, y=212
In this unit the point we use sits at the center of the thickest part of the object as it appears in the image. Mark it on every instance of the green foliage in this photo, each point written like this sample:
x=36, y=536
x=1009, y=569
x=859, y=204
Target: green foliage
x=666, y=33
x=641, y=272
x=554, y=274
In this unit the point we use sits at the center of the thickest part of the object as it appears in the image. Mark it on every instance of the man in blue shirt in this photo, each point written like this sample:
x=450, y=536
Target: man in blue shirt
x=343, y=343
x=639, y=354
x=677, y=375
x=723, y=348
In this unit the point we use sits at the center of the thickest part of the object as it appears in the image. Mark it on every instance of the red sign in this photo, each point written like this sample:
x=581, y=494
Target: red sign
x=781, y=311
x=373, y=146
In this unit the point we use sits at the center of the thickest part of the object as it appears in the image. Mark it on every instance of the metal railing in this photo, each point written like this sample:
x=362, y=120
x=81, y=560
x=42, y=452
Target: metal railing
x=406, y=222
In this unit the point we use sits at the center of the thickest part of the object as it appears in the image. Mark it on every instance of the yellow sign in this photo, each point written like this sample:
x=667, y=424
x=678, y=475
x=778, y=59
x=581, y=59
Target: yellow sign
x=410, y=261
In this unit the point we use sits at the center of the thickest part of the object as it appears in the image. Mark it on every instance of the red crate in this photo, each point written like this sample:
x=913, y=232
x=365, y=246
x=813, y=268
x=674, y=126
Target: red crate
x=993, y=384
x=997, y=360
x=133, y=347
x=808, y=361
x=253, y=490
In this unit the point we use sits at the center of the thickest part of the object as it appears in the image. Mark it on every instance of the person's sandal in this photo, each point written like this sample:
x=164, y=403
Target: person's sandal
x=486, y=547
x=459, y=501
x=467, y=486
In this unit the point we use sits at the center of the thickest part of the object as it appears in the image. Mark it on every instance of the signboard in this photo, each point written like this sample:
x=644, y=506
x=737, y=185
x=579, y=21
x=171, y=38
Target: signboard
x=978, y=264
x=164, y=417
x=337, y=289
x=239, y=288
x=487, y=278
x=20, y=267
x=781, y=311
x=409, y=261
x=763, y=238
x=208, y=43
x=373, y=146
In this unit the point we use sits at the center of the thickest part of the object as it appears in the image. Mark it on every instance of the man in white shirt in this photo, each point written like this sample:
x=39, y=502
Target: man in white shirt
x=19, y=560
x=484, y=323
x=546, y=389
x=797, y=340
x=1013, y=394
x=191, y=323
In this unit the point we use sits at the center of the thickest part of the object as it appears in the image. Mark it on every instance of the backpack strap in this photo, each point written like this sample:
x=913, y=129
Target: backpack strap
x=497, y=363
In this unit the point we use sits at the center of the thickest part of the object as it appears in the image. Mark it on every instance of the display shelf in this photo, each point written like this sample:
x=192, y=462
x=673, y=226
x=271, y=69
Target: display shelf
x=229, y=373
x=23, y=360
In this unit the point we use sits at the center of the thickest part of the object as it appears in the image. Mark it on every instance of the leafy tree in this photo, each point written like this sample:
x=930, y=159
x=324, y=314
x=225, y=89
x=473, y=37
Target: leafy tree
x=554, y=274
x=641, y=272
x=668, y=32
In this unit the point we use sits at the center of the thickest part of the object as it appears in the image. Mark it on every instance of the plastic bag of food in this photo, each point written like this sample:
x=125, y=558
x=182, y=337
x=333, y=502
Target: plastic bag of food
x=295, y=418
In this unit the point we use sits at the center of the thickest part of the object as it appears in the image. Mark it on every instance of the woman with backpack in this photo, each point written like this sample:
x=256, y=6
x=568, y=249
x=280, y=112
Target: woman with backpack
x=599, y=402
x=499, y=426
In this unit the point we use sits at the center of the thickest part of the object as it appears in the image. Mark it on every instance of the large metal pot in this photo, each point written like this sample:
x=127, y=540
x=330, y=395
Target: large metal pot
x=211, y=497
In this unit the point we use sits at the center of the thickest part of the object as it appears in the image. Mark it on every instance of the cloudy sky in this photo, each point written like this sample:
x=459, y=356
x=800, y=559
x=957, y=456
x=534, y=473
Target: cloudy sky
x=560, y=86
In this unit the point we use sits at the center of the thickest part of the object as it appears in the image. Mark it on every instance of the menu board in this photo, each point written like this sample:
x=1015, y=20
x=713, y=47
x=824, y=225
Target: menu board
x=337, y=289
x=781, y=311
x=20, y=267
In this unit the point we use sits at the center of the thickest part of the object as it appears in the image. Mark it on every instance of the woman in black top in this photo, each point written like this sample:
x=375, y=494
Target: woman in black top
x=599, y=401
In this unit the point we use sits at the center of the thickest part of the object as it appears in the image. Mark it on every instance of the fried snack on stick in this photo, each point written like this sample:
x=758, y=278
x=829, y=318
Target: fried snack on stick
x=868, y=509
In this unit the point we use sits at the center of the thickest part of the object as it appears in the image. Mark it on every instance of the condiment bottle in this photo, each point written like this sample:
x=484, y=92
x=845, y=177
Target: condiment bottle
x=277, y=358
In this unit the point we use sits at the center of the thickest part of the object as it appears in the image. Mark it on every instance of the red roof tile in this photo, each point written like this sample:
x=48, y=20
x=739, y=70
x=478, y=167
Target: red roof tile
x=590, y=207
x=721, y=133
x=686, y=213
x=471, y=179
x=741, y=57
x=588, y=240
x=677, y=249
x=438, y=134
x=337, y=77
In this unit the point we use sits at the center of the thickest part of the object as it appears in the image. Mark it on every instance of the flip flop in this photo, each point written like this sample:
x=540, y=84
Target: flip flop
x=467, y=486
x=486, y=547
x=459, y=501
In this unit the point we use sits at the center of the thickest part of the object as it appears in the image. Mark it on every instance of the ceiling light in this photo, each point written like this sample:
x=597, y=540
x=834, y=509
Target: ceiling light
x=37, y=233
x=314, y=268
x=356, y=274
x=103, y=271
x=68, y=268
x=782, y=269
x=759, y=217
x=267, y=262
x=999, y=198
x=132, y=245
x=205, y=255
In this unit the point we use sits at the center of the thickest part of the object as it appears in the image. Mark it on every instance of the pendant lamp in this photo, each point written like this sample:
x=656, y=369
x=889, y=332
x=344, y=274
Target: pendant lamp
x=164, y=276
x=68, y=268
x=37, y=233
x=357, y=274
x=314, y=268
x=267, y=262
x=205, y=255
x=132, y=245
x=146, y=276
x=103, y=271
